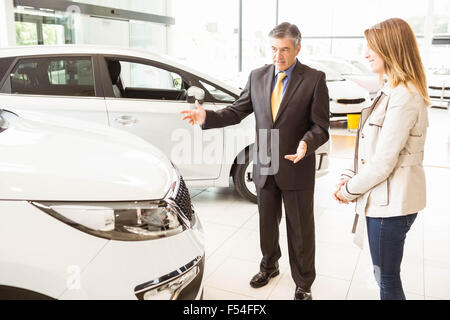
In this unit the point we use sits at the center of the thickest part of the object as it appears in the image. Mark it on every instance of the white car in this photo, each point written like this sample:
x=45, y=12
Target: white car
x=90, y=212
x=346, y=97
x=142, y=93
x=439, y=87
x=355, y=71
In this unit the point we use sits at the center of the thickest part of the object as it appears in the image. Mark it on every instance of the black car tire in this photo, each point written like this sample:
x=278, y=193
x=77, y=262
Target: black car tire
x=239, y=179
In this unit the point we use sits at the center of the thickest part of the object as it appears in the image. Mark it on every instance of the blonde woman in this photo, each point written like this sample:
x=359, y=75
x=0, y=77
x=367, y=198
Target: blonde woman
x=387, y=180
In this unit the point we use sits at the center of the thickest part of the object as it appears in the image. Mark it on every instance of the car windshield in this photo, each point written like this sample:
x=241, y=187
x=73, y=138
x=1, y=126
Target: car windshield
x=330, y=74
x=341, y=67
x=361, y=66
x=442, y=71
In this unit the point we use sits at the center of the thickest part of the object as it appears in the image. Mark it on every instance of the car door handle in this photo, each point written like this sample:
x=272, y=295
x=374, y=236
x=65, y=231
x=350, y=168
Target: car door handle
x=126, y=120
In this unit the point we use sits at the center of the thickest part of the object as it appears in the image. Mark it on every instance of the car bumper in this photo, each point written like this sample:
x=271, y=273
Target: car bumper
x=128, y=270
x=72, y=264
x=342, y=109
x=185, y=283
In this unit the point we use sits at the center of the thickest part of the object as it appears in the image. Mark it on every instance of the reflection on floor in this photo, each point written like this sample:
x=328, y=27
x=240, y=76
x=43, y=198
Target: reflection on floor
x=343, y=270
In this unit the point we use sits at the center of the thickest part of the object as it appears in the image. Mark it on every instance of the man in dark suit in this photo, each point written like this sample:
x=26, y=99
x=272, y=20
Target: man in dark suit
x=291, y=105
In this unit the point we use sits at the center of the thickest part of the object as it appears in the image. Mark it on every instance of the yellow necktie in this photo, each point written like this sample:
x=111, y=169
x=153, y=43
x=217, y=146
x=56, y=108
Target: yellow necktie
x=277, y=92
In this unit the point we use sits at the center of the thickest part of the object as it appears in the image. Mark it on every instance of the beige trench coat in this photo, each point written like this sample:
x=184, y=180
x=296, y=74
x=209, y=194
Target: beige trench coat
x=387, y=178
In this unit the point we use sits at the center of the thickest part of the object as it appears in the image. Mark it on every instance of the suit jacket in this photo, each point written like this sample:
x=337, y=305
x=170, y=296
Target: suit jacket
x=303, y=115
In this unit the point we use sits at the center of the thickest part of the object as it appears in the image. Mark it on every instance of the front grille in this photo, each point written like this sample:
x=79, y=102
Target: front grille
x=439, y=88
x=439, y=97
x=183, y=200
x=351, y=101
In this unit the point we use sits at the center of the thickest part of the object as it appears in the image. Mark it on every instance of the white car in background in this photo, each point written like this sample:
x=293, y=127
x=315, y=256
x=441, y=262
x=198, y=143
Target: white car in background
x=90, y=212
x=346, y=97
x=355, y=71
x=439, y=87
x=142, y=93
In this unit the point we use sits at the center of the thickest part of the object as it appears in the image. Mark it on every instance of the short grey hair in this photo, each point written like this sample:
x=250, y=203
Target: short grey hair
x=287, y=30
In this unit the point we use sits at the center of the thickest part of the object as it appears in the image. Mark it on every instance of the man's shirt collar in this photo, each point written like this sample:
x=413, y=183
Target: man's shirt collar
x=287, y=71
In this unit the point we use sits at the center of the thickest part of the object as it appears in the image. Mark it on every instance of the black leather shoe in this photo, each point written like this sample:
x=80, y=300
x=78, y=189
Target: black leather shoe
x=300, y=294
x=262, y=278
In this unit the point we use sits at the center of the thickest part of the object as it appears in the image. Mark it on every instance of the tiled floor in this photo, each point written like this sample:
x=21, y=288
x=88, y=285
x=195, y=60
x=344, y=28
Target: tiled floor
x=343, y=270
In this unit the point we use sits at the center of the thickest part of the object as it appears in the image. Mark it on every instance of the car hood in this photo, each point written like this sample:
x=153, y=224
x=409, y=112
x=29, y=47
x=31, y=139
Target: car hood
x=57, y=159
x=439, y=80
x=371, y=83
x=346, y=90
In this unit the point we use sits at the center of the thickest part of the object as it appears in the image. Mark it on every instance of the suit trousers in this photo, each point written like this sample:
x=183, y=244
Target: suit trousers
x=299, y=209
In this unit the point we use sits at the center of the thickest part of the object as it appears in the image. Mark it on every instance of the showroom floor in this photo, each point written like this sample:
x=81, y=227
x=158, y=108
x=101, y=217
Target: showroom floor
x=343, y=270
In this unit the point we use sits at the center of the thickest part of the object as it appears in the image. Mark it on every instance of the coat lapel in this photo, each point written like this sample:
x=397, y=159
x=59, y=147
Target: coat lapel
x=268, y=80
x=366, y=112
x=294, y=82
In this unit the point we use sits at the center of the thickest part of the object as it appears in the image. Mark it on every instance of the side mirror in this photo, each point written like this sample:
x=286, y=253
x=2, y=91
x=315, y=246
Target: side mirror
x=195, y=93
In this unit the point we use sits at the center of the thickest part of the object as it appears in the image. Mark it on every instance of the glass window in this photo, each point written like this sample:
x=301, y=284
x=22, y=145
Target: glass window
x=441, y=21
x=217, y=93
x=53, y=76
x=148, y=36
x=208, y=42
x=140, y=75
x=53, y=34
x=337, y=27
x=26, y=33
x=256, y=25
x=38, y=27
x=143, y=81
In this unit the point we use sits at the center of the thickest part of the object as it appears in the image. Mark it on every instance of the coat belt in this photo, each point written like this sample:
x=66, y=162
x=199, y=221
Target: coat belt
x=409, y=160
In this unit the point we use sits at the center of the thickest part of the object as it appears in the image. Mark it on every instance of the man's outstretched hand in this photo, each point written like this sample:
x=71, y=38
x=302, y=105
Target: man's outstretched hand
x=196, y=116
x=301, y=151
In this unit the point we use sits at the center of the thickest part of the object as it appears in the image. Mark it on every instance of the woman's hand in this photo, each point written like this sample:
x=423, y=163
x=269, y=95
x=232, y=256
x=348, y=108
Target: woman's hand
x=340, y=197
x=338, y=193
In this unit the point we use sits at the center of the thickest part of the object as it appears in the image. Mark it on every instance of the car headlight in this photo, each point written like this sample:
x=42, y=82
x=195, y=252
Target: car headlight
x=126, y=221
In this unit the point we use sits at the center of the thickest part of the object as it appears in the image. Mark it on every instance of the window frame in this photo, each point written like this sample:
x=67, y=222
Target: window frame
x=98, y=88
x=8, y=61
x=187, y=77
x=39, y=21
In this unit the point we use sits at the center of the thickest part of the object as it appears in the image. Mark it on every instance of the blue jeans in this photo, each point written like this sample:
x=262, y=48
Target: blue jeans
x=386, y=242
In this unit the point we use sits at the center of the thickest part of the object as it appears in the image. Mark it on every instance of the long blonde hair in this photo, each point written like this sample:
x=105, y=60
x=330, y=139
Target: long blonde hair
x=395, y=42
